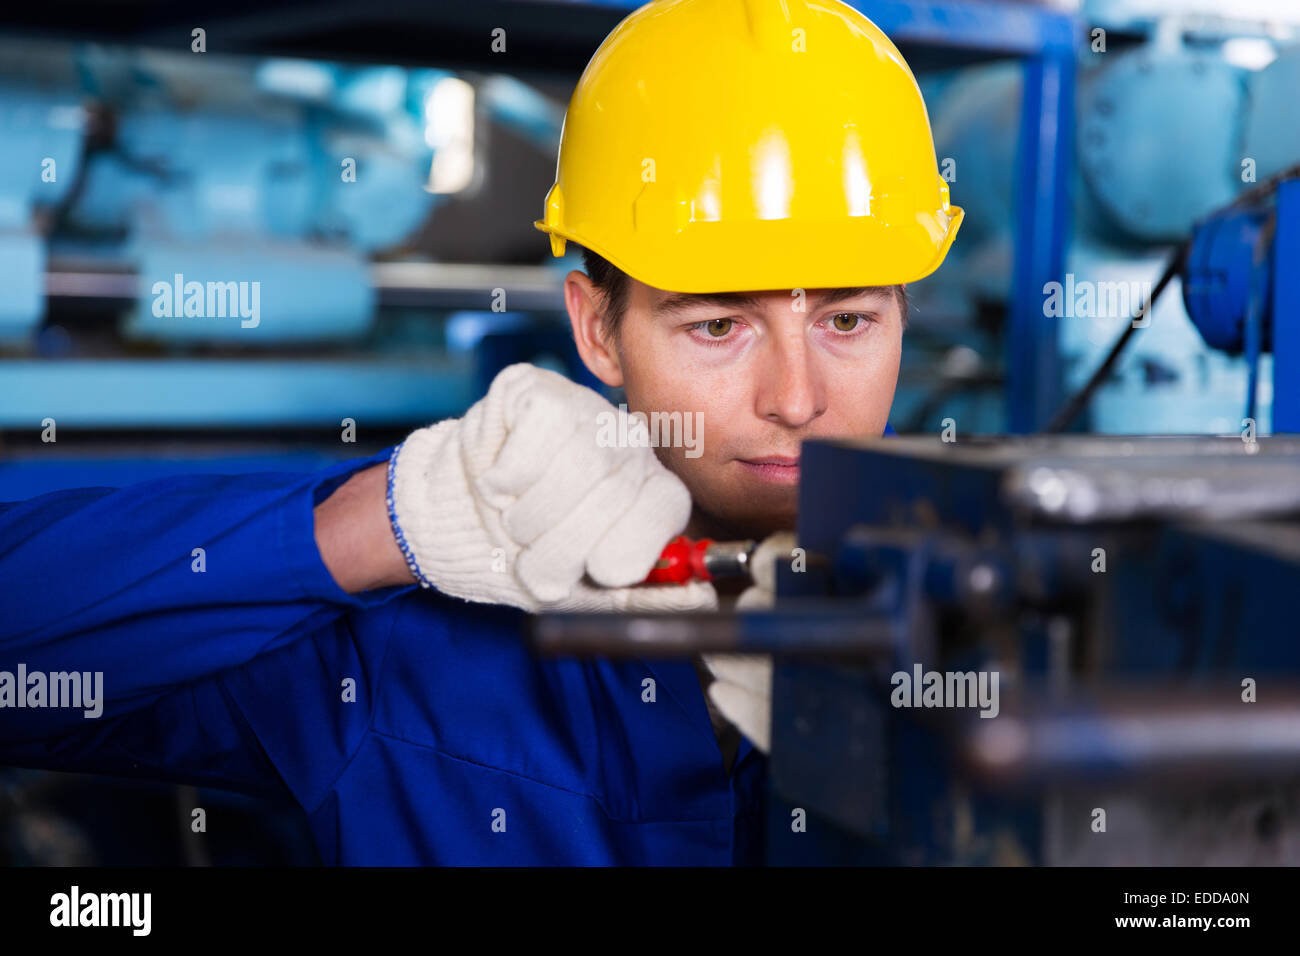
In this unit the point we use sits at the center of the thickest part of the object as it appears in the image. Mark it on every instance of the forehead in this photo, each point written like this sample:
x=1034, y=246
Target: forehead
x=669, y=303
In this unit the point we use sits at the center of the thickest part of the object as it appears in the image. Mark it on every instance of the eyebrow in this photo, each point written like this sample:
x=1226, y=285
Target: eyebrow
x=682, y=301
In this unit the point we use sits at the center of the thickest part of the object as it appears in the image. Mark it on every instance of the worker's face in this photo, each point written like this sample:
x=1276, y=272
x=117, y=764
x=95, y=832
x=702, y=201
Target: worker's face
x=764, y=370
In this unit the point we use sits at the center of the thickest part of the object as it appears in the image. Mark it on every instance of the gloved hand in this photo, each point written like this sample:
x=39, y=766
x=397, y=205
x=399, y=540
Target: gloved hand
x=743, y=689
x=517, y=501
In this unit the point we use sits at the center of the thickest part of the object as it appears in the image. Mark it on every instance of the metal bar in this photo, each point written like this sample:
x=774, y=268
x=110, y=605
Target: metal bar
x=1286, y=310
x=468, y=285
x=1033, y=356
x=224, y=392
x=787, y=630
x=1151, y=733
x=993, y=27
x=412, y=284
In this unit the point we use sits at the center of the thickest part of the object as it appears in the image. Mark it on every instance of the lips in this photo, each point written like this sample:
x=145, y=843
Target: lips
x=778, y=469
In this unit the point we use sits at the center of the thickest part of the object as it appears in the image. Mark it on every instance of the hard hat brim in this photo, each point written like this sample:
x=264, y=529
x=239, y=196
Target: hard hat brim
x=778, y=253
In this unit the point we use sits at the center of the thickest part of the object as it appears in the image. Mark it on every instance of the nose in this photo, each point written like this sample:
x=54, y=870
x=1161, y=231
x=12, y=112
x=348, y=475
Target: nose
x=790, y=387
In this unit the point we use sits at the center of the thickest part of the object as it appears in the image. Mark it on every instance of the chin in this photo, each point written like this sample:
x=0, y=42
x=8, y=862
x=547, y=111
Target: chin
x=727, y=509
x=729, y=525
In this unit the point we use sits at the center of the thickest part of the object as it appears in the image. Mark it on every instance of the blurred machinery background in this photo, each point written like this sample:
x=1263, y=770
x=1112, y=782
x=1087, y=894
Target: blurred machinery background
x=358, y=183
x=1179, y=108
x=381, y=201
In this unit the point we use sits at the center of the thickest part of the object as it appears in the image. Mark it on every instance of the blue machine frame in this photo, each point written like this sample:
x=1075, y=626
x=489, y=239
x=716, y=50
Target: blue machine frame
x=1113, y=598
x=1286, y=309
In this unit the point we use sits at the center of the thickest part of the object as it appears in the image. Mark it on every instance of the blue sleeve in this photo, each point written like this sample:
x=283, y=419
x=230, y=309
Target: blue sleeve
x=889, y=429
x=185, y=643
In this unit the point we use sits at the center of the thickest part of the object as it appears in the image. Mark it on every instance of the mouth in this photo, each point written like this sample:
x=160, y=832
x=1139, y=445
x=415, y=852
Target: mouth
x=779, y=469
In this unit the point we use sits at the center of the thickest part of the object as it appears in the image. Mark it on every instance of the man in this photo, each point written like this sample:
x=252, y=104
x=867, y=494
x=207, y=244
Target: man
x=774, y=151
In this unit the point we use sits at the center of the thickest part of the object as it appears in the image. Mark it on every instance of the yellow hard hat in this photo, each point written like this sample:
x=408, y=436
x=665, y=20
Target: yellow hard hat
x=731, y=145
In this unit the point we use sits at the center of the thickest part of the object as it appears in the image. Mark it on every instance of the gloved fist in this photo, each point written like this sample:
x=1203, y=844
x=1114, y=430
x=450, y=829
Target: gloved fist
x=517, y=503
x=743, y=689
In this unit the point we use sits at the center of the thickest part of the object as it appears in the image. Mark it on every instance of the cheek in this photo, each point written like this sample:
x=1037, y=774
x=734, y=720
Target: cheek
x=862, y=394
x=704, y=415
x=659, y=378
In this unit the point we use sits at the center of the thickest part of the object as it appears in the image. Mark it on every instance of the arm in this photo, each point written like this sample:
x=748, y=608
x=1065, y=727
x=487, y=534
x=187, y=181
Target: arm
x=108, y=581
x=355, y=537
x=214, y=606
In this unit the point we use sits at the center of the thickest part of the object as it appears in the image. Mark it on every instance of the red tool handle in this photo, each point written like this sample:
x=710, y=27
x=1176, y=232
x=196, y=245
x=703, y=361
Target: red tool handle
x=681, y=560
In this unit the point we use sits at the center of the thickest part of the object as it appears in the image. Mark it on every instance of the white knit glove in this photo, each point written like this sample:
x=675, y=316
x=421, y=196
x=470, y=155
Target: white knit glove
x=517, y=501
x=743, y=689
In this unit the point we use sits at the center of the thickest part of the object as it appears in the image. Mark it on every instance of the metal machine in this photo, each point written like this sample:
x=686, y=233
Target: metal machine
x=1113, y=616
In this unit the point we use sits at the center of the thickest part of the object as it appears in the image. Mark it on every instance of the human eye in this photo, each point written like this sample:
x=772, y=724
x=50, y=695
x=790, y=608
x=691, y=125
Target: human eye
x=850, y=324
x=712, y=331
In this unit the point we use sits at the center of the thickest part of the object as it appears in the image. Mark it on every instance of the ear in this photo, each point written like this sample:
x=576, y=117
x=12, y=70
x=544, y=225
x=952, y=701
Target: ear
x=582, y=299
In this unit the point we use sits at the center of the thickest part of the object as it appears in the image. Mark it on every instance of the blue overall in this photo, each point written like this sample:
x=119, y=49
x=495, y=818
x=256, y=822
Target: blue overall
x=411, y=727
x=455, y=744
